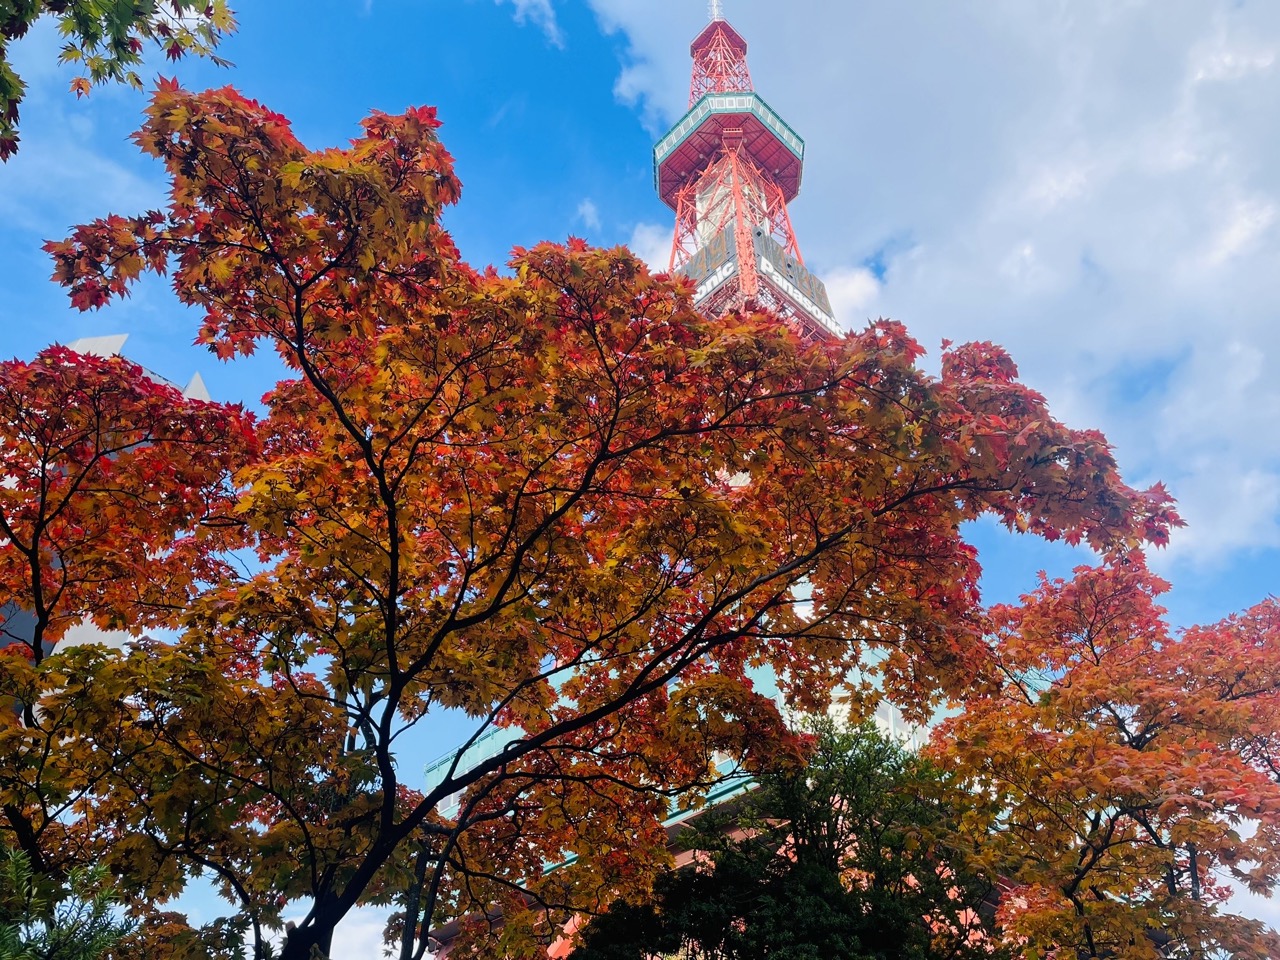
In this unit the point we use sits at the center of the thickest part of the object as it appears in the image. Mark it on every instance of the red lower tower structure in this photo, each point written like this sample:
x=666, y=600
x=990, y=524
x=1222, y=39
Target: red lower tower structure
x=728, y=169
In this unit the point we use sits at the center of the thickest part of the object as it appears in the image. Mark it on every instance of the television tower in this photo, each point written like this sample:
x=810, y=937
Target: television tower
x=728, y=169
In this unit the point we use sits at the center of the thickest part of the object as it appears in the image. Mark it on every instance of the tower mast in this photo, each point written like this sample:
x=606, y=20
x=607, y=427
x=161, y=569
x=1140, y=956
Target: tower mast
x=728, y=169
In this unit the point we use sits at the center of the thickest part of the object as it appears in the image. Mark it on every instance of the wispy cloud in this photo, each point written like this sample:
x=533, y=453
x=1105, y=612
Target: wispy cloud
x=651, y=242
x=62, y=180
x=853, y=292
x=1244, y=224
x=589, y=214
x=541, y=14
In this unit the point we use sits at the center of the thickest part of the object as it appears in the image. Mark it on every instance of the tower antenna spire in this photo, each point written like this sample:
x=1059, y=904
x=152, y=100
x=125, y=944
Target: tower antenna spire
x=717, y=11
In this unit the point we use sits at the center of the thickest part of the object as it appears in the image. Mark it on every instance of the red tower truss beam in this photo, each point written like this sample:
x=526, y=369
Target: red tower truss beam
x=719, y=62
x=731, y=188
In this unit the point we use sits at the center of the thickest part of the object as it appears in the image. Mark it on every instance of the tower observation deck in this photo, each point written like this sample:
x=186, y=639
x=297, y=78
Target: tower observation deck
x=728, y=169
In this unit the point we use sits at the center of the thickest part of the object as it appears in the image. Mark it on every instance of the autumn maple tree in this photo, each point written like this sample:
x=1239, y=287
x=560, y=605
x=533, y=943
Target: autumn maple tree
x=1136, y=769
x=115, y=510
x=557, y=500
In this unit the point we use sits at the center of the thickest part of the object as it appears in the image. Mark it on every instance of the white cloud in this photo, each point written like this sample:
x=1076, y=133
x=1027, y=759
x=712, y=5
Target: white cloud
x=358, y=935
x=57, y=176
x=541, y=14
x=1218, y=60
x=1266, y=909
x=1057, y=184
x=651, y=242
x=1091, y=184
x=589, y=214
x=853, y=291
x=645, y=79
x=1245, y=222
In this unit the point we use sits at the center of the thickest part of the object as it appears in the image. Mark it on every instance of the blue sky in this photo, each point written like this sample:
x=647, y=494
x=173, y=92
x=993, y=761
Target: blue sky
x=1091, y=183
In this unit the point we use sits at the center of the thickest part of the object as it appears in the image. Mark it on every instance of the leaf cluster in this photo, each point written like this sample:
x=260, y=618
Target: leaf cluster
x=117, y=497
x=44, y=919
x=106, y=39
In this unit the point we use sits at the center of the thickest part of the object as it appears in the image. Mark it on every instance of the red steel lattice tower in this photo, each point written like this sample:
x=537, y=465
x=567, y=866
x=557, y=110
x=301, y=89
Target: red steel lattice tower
x=728, y=169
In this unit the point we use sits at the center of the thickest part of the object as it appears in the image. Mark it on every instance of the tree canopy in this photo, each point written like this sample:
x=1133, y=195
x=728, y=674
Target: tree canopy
x=860, y=854
x=557, y=500
x=1135, y=770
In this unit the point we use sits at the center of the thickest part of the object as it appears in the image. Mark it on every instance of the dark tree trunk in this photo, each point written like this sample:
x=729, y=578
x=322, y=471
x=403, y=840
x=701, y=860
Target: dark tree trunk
x=314, y=941
x=413, y=907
